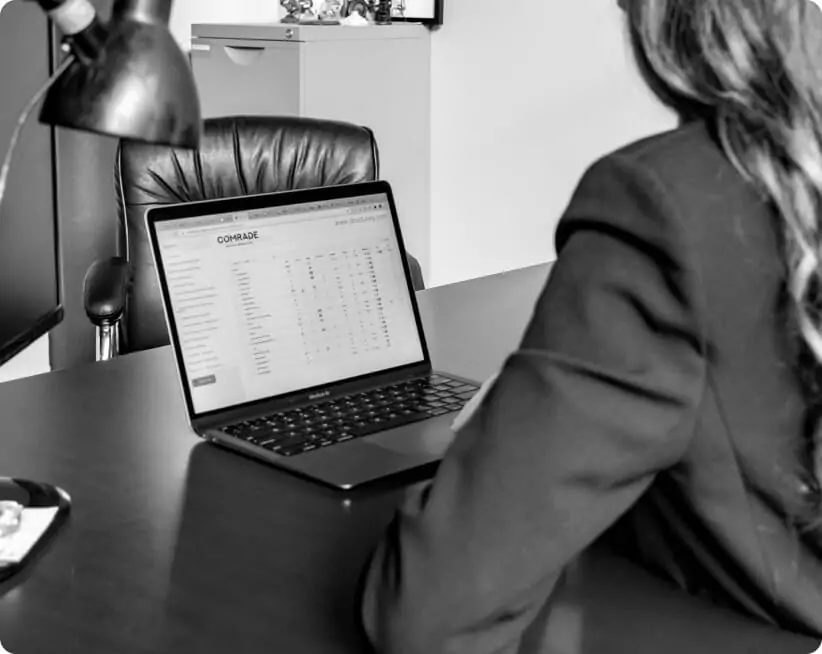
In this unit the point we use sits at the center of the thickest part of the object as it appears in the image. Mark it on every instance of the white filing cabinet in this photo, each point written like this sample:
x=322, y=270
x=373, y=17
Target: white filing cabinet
x=377, y=76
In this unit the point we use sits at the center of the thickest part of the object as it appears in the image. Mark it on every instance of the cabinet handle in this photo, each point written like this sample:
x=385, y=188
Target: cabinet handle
x=242, y=55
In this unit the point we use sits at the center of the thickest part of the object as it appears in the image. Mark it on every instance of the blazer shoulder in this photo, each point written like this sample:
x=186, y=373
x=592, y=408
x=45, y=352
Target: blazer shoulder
x=647, y=185
x=689, y=165
x=687, y=179
x=693, y=141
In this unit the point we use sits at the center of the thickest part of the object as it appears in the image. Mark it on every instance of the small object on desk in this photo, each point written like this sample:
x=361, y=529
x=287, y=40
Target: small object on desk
x=32, y=524
x=30, y=513
x=10, y=512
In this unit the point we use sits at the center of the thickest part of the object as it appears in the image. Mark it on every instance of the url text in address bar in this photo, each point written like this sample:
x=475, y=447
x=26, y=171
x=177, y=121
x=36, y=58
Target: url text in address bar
x=282, y=219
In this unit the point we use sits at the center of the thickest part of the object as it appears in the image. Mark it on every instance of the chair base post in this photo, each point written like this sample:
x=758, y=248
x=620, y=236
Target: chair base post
x=108, y=341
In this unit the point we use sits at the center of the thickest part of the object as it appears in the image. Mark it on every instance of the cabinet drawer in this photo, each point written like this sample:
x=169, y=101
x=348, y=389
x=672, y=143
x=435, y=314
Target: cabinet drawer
x=245, y=77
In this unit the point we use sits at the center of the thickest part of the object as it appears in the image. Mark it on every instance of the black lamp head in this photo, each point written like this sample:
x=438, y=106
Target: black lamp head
x=130, y=79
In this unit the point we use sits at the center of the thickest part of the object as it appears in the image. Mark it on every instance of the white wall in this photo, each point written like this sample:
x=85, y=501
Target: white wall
x=523, y=100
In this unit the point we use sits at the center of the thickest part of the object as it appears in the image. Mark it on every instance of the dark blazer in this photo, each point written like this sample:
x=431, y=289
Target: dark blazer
x=653, y=394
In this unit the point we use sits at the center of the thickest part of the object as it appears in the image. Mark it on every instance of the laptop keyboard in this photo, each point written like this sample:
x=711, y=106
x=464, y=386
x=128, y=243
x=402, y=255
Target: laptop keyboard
x=307, y=428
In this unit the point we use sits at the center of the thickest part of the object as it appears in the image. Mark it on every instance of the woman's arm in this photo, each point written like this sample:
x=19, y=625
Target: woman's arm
x=599, y=397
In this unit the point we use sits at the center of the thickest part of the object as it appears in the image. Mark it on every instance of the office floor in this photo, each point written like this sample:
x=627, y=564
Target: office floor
x=31, y=361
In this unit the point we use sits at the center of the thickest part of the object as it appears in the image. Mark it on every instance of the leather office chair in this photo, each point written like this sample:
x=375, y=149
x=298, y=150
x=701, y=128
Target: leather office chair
x=237, y=156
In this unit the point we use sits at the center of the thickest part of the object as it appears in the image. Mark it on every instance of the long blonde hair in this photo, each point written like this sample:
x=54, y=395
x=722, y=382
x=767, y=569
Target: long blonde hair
x=751, y=66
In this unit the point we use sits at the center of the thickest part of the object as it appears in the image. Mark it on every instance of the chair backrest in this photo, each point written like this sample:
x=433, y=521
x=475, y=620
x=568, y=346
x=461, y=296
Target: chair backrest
x=237, y=156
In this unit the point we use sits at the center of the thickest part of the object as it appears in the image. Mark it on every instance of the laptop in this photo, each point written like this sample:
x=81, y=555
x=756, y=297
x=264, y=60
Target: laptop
x=297, y=335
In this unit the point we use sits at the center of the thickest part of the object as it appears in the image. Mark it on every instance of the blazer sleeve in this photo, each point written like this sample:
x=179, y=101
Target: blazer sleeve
x=599, y=397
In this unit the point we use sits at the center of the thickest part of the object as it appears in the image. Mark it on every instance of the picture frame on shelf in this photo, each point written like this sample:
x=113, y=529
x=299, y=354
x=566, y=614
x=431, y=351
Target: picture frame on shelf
x=428, y=12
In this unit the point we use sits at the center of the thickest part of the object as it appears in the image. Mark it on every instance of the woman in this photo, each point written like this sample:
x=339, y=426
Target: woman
x=668, y=383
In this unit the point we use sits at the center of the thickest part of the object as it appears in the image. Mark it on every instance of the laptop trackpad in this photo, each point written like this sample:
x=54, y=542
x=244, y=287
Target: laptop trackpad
x=428, y=439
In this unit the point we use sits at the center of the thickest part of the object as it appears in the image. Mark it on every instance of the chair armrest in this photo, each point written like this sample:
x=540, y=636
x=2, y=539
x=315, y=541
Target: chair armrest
x=105, y=290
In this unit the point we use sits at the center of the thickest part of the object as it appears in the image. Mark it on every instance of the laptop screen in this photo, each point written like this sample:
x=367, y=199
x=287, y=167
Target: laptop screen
x=281, y=299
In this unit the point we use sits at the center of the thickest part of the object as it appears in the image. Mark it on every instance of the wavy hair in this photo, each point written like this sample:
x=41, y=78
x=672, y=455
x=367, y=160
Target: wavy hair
x=751, y=66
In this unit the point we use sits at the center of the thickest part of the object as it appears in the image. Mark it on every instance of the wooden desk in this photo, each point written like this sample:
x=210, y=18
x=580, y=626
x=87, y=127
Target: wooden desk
x=176, y=546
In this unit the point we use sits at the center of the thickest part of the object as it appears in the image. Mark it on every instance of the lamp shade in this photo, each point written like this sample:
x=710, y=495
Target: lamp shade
x=139, y=86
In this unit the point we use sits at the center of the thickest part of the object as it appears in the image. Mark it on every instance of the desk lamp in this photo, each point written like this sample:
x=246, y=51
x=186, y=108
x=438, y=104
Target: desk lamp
x=125, y=78
x=130, y=79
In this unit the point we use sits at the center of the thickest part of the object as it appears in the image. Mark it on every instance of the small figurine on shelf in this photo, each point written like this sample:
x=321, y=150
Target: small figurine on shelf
x=330, y=11
x=308, y=11
x=298, y=10
x=357, y=7
x=398, y=9
x=293, y=10
x=382, y=11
